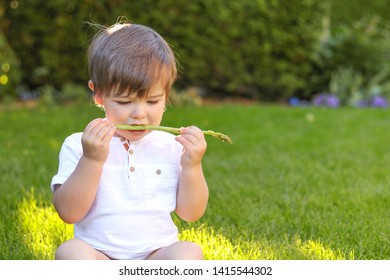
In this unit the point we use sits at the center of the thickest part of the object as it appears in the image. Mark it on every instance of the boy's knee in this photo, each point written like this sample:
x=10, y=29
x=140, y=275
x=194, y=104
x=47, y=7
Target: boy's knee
x=61, y=252
x=181, y=250
x=69, y=249
x=192, y=251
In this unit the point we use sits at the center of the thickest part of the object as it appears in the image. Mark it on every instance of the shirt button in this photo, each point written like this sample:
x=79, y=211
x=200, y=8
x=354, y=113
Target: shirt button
x=131, y=152
x=123, y=139
x=158, y=171
x=132, y=169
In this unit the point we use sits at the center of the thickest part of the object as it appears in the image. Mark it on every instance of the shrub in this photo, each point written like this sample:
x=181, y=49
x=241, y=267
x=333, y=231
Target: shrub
x=187, y=97
x=355, y=89
x=358, y=55
x=258, y=48
x=10, y=75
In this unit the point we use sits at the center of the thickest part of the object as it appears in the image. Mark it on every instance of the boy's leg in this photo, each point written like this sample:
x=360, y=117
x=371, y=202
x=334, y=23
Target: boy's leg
x=181, y=250
x=77, y=249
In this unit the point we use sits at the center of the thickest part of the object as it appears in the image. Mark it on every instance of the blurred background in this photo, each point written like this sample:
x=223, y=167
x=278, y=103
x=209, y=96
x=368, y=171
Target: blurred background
x=301, y=183
x=329, y=53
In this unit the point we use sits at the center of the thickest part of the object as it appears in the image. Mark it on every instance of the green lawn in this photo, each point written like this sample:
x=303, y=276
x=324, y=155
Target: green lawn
x=298, y=183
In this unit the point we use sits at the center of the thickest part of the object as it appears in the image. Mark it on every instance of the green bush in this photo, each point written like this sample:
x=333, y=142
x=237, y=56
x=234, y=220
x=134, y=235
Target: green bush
x=362, y=47
x=48, y=40
x=257, y=48
x=354, y=89
x=10, y=75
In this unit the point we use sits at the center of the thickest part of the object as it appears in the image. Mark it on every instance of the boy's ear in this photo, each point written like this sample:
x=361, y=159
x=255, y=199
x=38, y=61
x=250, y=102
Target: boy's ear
x=96, y=96
x=90, y=85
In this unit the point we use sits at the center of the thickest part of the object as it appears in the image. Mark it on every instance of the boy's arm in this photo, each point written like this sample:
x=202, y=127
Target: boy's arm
x=74, y=198
x=192, y=196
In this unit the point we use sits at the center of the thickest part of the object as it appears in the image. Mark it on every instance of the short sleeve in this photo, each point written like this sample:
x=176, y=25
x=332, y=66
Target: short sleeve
x=70, y=154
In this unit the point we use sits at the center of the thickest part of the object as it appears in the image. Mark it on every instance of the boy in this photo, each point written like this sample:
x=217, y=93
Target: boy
x=119, y=187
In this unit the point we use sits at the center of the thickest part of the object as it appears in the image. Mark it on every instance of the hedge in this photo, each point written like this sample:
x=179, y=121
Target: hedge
x=256, y=48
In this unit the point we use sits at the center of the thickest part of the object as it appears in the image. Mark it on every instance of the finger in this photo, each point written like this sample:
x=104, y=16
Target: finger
x=88, y=131
x=192, y=146
x=190, y=138
x=184, y=142
x=190, y=129
x=194, y=131
x=104, y=131
x=100, y=129
x=92, y=126
x=110, y=131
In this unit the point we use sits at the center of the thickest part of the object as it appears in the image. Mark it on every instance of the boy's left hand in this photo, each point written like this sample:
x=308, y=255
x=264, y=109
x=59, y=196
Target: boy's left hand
x=194, y=143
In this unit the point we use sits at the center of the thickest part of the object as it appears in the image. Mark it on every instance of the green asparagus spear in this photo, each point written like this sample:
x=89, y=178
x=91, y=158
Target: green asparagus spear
x=220, y=136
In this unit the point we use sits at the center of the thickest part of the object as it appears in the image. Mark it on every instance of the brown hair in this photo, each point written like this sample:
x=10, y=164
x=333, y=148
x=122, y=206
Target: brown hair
x=130, y=59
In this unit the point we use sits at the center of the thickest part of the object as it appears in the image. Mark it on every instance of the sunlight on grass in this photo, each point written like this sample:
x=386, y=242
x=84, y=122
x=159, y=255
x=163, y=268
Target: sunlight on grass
x=42, y=229
x=317, y=251
x=217, y=247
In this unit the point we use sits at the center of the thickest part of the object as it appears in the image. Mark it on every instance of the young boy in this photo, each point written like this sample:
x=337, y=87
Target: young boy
x=119, y=187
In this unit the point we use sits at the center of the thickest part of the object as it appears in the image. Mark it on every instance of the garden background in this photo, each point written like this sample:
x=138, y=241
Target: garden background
x=303, y=179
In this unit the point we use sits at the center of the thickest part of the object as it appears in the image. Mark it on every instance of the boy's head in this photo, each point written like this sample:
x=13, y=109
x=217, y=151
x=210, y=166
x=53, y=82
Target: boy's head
x=127, y=59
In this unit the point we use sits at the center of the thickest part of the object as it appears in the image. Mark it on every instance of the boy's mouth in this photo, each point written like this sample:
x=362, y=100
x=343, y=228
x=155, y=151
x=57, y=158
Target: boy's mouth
x=138, y=131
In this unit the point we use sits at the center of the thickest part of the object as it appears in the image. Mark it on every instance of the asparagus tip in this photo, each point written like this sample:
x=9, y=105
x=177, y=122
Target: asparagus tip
x=220, y=136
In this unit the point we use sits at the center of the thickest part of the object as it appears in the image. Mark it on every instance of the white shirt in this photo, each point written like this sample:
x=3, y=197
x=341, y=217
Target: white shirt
x=131, y=213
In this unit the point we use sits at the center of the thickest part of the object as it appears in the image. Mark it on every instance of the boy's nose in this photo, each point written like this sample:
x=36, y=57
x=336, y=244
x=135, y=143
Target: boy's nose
x=138, y=111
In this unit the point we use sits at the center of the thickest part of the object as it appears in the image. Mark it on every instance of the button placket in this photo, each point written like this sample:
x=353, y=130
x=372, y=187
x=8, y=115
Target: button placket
x=132, y=167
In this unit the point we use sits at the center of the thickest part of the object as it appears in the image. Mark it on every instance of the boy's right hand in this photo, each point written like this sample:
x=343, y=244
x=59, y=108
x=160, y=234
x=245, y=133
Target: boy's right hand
x=96, y=139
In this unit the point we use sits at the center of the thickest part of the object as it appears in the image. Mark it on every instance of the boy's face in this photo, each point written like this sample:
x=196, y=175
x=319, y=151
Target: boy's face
x=133, y=110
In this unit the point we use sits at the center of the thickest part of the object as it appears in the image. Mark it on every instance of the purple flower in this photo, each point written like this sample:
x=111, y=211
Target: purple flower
x=326, y=99
x=378, y=102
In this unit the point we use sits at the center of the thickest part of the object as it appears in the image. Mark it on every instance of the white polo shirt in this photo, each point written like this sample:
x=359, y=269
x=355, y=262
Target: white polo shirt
x=131, y=214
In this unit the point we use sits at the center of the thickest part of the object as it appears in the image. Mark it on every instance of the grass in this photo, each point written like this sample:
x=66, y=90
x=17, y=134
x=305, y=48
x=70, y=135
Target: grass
x=298, y=183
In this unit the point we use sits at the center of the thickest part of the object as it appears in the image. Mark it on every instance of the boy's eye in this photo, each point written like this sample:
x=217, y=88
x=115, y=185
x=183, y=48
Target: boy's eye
x=153, y=101
x=123, y=102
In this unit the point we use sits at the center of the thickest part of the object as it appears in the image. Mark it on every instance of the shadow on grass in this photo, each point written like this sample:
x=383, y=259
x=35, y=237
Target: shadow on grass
x=42, y=232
